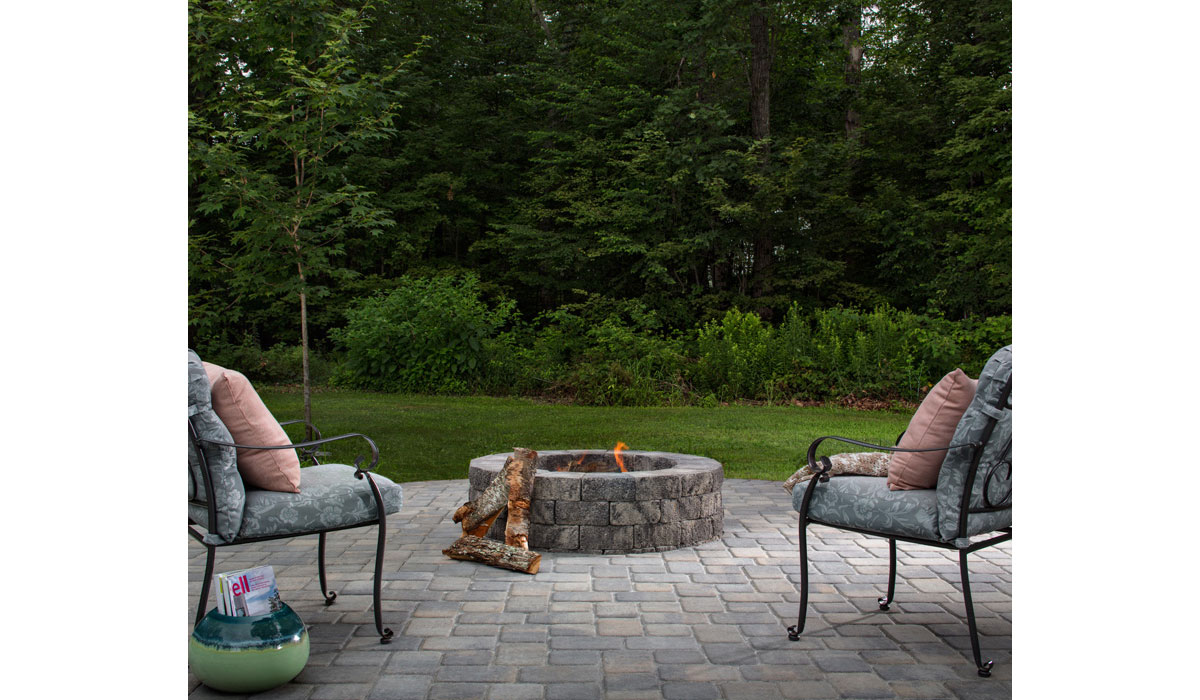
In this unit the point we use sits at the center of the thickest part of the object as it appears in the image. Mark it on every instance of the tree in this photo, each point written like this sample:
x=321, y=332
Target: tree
x=939, y=116
x=688, y=155
x=285, y=101
x=760, y=130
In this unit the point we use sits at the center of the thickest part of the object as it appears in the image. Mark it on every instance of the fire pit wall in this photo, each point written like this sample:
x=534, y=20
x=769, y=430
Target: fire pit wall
x=665, y=501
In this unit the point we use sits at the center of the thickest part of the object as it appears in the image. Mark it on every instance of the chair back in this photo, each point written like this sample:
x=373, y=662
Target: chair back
x=216, y=495
x=974, y=489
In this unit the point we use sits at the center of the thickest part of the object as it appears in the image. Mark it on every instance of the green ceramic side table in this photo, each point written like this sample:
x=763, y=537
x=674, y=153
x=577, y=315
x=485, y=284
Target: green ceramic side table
x=248, y=654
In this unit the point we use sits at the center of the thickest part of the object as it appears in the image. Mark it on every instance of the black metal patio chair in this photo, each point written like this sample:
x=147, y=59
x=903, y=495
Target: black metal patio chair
x=332, y=496
x=973, y=495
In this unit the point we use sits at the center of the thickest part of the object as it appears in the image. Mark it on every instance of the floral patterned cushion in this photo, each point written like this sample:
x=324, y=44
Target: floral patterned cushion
x=330, y=497
x=952, y=477
x=866, y=502
x=229, y=493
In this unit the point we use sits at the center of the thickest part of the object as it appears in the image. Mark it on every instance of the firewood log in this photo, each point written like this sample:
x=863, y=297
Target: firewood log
x=519, y=475
x=493, y=553
x=477, y=516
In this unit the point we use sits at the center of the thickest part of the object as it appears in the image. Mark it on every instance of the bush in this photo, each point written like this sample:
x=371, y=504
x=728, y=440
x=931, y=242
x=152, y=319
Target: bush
x=835, y=353
x=427, y=335
x=737, y=357
x=599, y=352
x=280, y=364
x=624, y=365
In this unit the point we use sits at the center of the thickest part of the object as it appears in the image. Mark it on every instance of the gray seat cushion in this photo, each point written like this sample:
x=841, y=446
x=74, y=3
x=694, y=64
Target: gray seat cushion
x=330, y=497
x=865, y=502
x=229, y=493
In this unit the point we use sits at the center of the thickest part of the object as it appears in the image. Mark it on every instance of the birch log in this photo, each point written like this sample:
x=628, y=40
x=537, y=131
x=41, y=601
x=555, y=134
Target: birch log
x=477, y=516
x=493, y=553
x=519, y=476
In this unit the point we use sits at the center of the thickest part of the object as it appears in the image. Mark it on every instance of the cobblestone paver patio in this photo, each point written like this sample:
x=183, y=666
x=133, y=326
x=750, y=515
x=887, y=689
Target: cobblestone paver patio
x=694, y=623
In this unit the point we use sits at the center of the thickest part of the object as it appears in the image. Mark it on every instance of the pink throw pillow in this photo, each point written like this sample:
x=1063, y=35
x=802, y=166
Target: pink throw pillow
x=251, y=423
x=931, y=426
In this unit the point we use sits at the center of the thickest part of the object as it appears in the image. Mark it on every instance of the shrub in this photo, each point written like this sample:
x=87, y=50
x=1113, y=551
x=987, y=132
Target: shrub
x=736, y=357
x=280, y=364
x=627, y=366
x=427, y=335
x=599, y=352
x=835, y=353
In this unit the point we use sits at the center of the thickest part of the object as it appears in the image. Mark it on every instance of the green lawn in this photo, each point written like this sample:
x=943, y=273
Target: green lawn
x=426, y=437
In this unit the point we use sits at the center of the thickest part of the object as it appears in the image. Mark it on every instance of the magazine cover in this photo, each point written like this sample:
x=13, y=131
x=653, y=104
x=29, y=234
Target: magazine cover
x=248, y=592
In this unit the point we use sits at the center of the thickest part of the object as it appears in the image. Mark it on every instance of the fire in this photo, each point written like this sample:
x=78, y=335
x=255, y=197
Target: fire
x=572, y=466
x=597, y=465
x=617, y=455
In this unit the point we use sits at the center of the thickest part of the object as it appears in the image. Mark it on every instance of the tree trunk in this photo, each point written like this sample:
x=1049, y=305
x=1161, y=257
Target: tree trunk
x=852, y=40
x=304, y=362
x=541, y=20
x=760, y=75
x=760, y=129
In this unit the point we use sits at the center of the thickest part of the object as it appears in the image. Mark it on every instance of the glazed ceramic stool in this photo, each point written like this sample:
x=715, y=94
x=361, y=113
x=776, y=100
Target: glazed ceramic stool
x=248, y=654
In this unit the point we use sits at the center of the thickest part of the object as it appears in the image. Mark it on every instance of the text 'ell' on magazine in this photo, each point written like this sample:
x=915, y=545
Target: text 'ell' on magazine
x=248, y=592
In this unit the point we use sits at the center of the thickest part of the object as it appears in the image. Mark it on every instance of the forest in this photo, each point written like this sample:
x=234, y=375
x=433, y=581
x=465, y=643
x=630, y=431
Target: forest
x=626, y=202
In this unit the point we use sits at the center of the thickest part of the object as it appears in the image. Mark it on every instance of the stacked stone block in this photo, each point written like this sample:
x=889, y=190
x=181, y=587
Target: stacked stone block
x=666, y=501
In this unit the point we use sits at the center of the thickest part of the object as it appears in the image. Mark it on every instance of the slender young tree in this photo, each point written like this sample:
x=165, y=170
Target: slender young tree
x=760, y=130
x=268, y=140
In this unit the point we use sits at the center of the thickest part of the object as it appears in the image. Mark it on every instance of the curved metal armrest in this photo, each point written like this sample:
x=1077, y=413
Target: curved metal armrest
x=313, y=443
x=822, y=473
x=812, y=451
x=310, y=453
x=308, y=425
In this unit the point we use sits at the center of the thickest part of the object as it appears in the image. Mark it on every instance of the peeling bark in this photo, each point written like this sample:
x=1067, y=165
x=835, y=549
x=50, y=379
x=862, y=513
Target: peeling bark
x=518, y=474
x=478, y=515
x=493, y=553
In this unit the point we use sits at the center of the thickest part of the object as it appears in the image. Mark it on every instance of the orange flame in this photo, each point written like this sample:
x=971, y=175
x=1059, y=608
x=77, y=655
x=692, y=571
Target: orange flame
x=617, y=455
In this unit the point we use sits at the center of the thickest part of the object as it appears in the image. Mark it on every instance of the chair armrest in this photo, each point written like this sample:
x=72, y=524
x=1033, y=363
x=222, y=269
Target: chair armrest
x=313, y=443
x=308, y=425
x=822, y=474
x=812, y=449
x=310, y=453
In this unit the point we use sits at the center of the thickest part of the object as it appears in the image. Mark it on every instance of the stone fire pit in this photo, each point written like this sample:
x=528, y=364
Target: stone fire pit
x=665, y=501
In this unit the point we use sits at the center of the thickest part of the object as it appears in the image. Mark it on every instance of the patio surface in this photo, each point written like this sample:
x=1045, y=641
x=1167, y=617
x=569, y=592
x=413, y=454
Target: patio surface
x=696, y=623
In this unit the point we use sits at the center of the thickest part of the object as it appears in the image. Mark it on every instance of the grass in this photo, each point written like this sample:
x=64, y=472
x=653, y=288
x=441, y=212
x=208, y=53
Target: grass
x=435, y=437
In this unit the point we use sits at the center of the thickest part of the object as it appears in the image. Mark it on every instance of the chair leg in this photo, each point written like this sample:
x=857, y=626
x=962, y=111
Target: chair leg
x=210, y=560
x=385, y=634
x=885, y=603
x=795, y=630
x=985, y=669
x=327, y=594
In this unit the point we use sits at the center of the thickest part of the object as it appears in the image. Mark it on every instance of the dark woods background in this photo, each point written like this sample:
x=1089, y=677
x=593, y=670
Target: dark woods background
x=630, y=202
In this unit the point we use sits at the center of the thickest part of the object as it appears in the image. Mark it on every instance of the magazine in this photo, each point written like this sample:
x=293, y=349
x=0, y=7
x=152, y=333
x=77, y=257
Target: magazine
x=248, y=592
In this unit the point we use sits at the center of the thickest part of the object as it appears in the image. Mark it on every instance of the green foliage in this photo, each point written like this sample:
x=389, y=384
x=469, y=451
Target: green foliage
x=942, y=87
x=279, y=364
x=437, y=335
x=427, y=335
x=736, y=357
x=597, y=353
x=278, y=101
x=836, y=353
x=598, y=169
